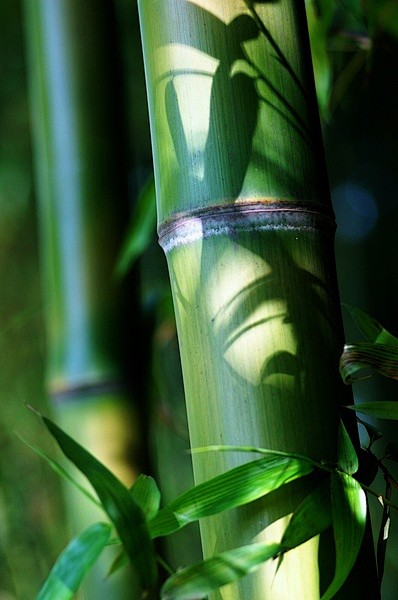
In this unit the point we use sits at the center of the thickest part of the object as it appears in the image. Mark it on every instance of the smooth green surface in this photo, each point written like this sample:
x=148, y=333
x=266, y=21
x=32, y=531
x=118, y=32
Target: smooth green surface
x=78, y=557
x=217, y=571
x=124, y=512
x=235, y=126
x=347, y=456
x=230, y=97
x=81, y=185
x=236, y=487
x=349, y=520
x=382, y=409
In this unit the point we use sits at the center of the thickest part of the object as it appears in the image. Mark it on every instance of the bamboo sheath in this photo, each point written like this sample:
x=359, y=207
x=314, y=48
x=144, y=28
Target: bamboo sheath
x=83, y=206
x=245, y=220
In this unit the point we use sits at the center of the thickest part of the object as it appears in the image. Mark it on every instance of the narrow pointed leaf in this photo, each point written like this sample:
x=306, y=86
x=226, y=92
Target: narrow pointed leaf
x=384, y=409
x=119, y=561
x=61, y=471
x=75, y=561
x=364, y=359
x=208, y=575
x=311, y=517
x=371, y=329
x=349, y=519
x=257, y=450
x=126, y=515
x=141, y=229
x=373, y=433
x=347, y=457
x=234, y=488
x=147, y=495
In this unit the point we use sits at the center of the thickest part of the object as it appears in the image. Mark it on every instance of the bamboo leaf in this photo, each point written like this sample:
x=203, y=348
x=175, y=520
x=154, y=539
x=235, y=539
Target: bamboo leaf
x=141, y=229
x=373, y=433
x=383, y=409
x=349, y=518
x=147, y=495
x=61, y=471
x=364, y=359
x=126, y=515
x=75, y=561
x=257, y=450
x=311, y=517
x=208, y=575
x=234, y=488
x=119, y=561
x=347, y=456
x=318, y=27
x=371, y=329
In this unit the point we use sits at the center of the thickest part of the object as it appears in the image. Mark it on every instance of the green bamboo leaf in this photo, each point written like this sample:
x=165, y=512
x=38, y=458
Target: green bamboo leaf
x=126, y=515
x=255, y=449
x=318, y=28
x=234, y=488
x=208, y=575
x=349, y=519
x=347, y=456
x=364, y=359
x=118, y=562
x=384, y=409
x=373, y=433
x=141, y=229
x=147, y=495
x=61, y=471
x=371, y=329
x=74, y=563
x=311, y=517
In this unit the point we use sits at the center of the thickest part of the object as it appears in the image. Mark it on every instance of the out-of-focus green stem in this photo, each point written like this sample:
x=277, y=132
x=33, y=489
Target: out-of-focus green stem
x=79, y=153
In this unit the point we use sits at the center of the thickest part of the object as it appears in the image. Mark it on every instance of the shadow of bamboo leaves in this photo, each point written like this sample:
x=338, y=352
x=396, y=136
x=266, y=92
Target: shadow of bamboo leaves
x=217, y=171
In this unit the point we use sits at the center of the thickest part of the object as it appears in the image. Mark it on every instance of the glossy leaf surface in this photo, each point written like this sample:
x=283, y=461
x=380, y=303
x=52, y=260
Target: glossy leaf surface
x=147, y=495
x=364, y=359
x=370, y=328
x=126, y=515
x=205, y=576
x=380, y=410
x=310, y=518
x=349, y=519
x=347, y=457
x=234, y=488
x=74, y=562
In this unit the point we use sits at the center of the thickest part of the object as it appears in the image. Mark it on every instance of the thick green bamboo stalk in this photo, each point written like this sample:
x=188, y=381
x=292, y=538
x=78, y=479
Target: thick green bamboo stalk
x=83, y=205
x=245, y=220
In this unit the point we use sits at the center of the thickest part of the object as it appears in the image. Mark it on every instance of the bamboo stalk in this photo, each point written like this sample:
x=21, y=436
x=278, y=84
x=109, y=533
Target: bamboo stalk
x=245, y=220
x=83, y=208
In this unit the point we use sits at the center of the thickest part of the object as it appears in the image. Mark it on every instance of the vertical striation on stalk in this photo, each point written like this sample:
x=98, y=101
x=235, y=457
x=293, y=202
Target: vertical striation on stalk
x=246, y=223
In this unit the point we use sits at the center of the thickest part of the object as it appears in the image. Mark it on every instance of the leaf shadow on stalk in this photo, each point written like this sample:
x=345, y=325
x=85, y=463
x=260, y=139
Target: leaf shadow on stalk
x=217, y=171
x=236, y=98
x=235, y=102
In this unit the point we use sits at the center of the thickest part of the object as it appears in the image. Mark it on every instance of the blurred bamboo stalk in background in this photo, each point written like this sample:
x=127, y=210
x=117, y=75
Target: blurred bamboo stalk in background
x=79, y=153
x=246, y=222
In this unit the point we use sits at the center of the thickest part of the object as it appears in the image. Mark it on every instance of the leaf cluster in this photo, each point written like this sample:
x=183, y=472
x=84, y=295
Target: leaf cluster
x=337, y=499
x=134, y=516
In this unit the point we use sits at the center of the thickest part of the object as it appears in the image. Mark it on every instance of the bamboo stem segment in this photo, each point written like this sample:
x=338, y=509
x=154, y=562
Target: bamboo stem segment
x=245, y=220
